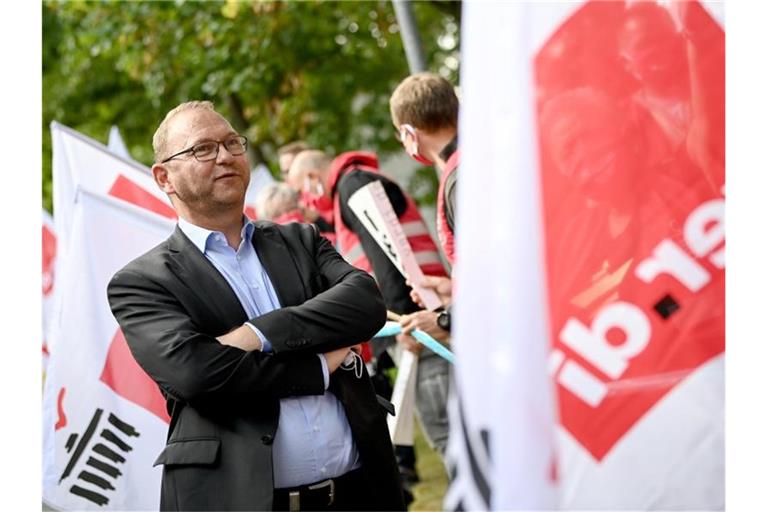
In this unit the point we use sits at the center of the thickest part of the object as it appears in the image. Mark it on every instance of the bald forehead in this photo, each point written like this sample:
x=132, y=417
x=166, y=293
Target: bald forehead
x=302, y=164
x=196, y=125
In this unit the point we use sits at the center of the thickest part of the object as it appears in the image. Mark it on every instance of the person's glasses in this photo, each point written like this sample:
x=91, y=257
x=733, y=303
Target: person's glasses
x=209, y=150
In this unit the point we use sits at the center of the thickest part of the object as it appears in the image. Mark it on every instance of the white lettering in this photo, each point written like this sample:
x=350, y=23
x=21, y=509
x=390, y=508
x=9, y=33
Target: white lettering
x=669, y=258
x=701, y=240
x=555, y=360
x=582, y=383
x=593, y=345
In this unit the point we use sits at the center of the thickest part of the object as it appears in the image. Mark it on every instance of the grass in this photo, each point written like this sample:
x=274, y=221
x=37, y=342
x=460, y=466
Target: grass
x=429, y=492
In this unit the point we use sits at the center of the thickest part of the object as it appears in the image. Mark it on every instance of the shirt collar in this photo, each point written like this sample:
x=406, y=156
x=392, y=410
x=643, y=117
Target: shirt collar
x=200, y=236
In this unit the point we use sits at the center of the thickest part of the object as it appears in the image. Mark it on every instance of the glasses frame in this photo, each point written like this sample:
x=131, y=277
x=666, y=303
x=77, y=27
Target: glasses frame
x=219, y=143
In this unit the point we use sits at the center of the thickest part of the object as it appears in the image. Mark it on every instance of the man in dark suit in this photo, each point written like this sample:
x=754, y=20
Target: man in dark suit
x=249, y=330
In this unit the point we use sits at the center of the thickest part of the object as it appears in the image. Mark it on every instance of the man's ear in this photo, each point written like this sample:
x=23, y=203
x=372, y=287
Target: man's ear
x=160, y=174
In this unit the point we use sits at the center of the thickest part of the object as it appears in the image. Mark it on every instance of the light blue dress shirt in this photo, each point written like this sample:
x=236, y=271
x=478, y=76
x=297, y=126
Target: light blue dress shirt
x=313, y=441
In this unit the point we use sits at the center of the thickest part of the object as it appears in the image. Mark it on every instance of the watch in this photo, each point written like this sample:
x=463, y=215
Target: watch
x=444, y=320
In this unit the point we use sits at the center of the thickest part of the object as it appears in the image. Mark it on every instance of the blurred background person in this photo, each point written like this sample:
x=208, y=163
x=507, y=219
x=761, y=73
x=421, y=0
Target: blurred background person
x=279, y=203
x=327, y=181
x=286, y=154
x=425, y=112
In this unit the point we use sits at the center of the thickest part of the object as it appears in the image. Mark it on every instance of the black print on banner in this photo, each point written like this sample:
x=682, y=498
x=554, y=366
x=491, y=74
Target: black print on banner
x=384, y=237
x=101, y=467
x=476, y=447
x=666, y=306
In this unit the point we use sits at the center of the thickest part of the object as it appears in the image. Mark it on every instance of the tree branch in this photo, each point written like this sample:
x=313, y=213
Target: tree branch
x=241, y=125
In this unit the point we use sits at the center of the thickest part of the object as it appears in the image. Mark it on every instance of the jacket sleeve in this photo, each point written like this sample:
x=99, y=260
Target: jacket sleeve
x=350, y=310
x=192, y=366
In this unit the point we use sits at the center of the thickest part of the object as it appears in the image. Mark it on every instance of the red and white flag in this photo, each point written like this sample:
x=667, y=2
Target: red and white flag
x=592, y=191
x=104, y=420
x=49, y=259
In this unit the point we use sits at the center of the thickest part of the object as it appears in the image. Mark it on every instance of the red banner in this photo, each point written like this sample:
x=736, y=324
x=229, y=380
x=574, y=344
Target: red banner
x=630, y=106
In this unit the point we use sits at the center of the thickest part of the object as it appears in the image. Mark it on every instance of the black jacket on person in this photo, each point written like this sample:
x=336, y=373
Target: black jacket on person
x=224, y=402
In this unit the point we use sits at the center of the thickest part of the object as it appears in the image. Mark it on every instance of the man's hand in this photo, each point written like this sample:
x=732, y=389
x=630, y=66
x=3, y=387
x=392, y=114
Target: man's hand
x=443, y=287
x=335, y=358
x=425, y=321
x=243, y=338
x=409, y=343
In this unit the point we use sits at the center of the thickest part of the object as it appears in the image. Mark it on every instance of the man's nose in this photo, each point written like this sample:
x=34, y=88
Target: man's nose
x=224, y=156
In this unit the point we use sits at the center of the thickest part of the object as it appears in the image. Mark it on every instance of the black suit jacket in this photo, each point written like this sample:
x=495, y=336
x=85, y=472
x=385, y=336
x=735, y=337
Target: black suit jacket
x=224, y=402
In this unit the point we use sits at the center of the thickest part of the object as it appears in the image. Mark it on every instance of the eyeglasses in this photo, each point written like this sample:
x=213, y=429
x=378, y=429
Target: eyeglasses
x=209, y=150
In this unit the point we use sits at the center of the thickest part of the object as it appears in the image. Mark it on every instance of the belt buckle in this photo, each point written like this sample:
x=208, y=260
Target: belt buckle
x=331, y=489
x=294, y=501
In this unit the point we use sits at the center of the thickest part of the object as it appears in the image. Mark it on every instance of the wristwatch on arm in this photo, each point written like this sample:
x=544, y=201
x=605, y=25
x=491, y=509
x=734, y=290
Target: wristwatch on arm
x=444, y=319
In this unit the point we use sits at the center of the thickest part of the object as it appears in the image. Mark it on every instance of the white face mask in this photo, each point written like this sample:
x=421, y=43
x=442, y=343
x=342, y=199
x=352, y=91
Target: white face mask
x=413, y=152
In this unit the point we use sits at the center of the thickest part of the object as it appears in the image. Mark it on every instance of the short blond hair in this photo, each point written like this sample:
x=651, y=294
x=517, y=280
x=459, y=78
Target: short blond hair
x=426, y=101
x=292, y=148
x=275, y=200
x=160, y=138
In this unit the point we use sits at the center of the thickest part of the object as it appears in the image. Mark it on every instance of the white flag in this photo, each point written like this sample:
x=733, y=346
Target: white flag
x=108, y=211
x=501, y=447
x=116, y=144
x=260, y=178
x=82, y=163
x=590, y=190
x=110, y=419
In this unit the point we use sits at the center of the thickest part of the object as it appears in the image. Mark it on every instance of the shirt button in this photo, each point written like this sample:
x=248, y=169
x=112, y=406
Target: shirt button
x=316, y=429
x=322, y=469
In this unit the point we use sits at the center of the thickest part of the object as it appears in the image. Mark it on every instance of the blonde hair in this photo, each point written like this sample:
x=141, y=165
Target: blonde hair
x=292, y=148
x=275, y=200
x=160, y=138
x=426, y=101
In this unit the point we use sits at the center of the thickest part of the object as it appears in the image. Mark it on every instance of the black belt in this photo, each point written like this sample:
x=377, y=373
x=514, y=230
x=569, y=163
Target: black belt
x=319, y=495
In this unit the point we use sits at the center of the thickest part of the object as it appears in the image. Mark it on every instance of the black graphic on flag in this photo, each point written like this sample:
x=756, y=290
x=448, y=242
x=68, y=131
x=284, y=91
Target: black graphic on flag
x=468, y=462
x=101, y=457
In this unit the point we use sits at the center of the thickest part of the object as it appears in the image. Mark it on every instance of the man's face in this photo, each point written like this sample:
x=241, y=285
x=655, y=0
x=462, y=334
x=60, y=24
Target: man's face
x=203, y=187
x=295, y=178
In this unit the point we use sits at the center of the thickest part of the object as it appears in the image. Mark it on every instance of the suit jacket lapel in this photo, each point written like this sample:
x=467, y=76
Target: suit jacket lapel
x=279, y=264
x=204, y=280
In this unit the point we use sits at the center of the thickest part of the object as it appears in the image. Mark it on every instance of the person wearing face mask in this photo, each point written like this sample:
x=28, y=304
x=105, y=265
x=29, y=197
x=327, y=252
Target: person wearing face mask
x=425, y=112
x=323, y=181
x=322, y=218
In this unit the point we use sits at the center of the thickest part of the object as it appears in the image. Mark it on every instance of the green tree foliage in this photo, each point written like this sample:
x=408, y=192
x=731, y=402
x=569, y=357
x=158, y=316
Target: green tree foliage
x=280, y=71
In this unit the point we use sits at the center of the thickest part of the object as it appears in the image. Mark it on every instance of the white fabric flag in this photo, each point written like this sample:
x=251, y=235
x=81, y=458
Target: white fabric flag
x=83, y=167
x=116, y=144
x=110, y=422
x=260, y=178
x=502, y=429
x=80, y=162
x=593, y=159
